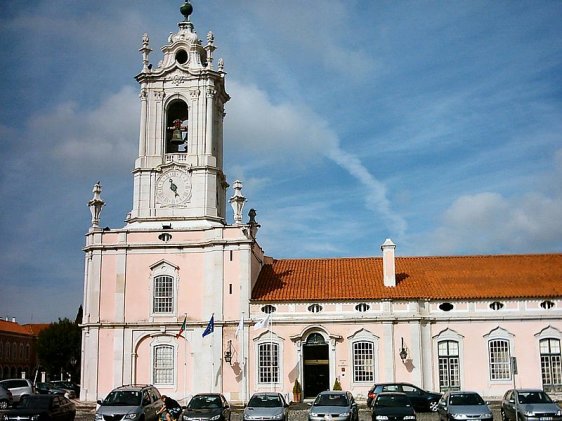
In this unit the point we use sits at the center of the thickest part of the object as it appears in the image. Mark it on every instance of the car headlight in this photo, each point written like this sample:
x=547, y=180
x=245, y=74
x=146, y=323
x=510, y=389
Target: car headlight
x=130, y=416
x=410, y=417
x=344, y=414
x=32, y=418
x=488, y=415
x=559, y=413
x=215, y=418
x=313, y=414
x=99, y=417
x=277, y=416
x=381, y=417
x=528, y=413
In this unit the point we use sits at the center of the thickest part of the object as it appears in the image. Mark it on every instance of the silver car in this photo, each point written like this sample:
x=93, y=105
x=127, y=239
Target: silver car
x=266, y=406
x=18, y=387
x=131, y=403
x=529, y=405
x=5, y=398
x=462, y=405
x=335, y=406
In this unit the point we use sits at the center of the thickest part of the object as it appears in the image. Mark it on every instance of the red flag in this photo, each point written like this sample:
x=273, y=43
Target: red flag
x=182, y=328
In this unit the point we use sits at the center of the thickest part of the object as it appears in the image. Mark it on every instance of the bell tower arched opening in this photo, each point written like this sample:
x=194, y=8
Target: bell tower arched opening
x=177, y=127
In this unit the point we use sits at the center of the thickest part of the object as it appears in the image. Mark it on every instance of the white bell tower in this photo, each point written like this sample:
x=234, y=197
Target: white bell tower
x=178, y=175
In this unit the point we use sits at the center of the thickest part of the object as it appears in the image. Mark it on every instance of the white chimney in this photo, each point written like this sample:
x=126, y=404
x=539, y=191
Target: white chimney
x=388, y=263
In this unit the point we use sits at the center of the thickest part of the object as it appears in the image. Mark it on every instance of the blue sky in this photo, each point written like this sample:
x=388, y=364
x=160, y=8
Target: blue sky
x=437, y=124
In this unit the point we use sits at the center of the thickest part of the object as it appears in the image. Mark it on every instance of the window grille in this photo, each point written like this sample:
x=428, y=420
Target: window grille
x=362, y=307
x=268, y=363
x=163, y=301
x=363, y=362
x=551, y=366
x=163, y=364
x=498, y=350
x=449, y=366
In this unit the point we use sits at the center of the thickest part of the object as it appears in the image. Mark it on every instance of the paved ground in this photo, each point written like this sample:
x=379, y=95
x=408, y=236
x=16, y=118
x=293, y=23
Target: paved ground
x=296, y=413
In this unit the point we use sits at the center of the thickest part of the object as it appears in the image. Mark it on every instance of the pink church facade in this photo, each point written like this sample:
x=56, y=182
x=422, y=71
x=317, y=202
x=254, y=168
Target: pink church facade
x=439, y=323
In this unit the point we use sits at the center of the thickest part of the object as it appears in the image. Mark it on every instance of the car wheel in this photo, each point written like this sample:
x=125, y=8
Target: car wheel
x=433, y=406
x=3, y=404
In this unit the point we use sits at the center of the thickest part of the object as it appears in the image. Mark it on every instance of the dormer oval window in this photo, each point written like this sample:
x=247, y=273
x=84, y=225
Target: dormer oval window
x=496, y=305
x=547, y=305
x=315, y=308
x=446, y=306
x=362, y=307
x=268, y=309
x=181, y=56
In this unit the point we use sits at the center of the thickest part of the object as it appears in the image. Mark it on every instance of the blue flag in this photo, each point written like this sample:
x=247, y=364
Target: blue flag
x=210, y=327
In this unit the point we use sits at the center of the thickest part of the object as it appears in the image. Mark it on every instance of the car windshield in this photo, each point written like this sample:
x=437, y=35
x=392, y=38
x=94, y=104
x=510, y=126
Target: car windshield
x=387, y=401
x=204, y=402
x=123, y=398
x=329, y=399
x=35, y=402
x=534, y=397
x=466, y=399
x=265, y=401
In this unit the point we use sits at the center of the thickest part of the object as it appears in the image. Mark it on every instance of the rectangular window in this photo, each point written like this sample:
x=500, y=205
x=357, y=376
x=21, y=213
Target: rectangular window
x=500, y=368
x=268, y=363
x=363, y=362
x=163, y=295
x=551, y=366
x=163, y=365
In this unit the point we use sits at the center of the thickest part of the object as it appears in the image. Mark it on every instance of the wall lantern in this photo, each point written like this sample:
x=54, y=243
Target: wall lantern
x=228, y=353
x=403, y=351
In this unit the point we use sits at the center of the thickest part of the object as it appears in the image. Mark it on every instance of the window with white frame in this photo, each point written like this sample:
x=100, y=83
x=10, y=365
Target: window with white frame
x=499, y=361
x=163, y=364
x=268, y=362
x=363, y=361
x=551, y=366
x=163, y=294
x=449, y=365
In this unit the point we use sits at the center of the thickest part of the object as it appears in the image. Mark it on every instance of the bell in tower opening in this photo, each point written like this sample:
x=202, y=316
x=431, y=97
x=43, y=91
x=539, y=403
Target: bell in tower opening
x=176, y=127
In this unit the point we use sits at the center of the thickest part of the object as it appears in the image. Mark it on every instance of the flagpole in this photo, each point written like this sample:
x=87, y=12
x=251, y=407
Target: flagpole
x=185, y=366
x=271, y=349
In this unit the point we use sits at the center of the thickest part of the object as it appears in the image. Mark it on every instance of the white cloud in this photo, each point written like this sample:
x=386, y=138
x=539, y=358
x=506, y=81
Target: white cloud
x=490, y=221
x=295, y=132
x=100, y=139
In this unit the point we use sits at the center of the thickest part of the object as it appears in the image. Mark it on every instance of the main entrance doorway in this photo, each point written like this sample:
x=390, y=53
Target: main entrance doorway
x=316, y=374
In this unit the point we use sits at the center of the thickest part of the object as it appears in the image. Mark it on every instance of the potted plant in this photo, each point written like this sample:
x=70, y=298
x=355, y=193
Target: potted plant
x=337, y=385
x=297, y=391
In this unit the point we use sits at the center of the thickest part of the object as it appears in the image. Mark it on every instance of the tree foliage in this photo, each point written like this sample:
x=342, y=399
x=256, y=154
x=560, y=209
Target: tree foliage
x=58, y=348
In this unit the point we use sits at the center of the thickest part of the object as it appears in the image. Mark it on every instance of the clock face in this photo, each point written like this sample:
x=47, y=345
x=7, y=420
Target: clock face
x=173, y=188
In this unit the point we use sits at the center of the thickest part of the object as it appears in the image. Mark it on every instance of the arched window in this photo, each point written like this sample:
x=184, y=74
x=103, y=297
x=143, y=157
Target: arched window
x=7, y=351
x=1, y=350
x=499, y=359
x=22, y=355
x=363, y=361
x=163, y=364
x=268, y=362
x=176, y=127
x=449, y=365
x=163, y=294
x=551, y=364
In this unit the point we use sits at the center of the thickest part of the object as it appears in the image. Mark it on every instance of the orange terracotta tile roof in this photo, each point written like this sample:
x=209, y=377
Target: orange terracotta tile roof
x=458, y=277
x=13, y=327
x=35, y=328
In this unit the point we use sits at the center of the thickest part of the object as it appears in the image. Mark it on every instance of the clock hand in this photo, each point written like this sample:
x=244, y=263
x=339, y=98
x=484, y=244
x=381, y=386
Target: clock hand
x=174, y=188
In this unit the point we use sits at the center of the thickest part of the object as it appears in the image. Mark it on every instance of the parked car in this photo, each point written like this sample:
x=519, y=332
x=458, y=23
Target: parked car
x=49, y=388
x=266, y=406
x=18, y=387
x=421, y=400
x=530, y=405
x=6, y=398
x=207, y=406
x=131, y=402
x=462, y=405
x=67, y=386
x=394, y=406
x=334, y=405
x=41, y=407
